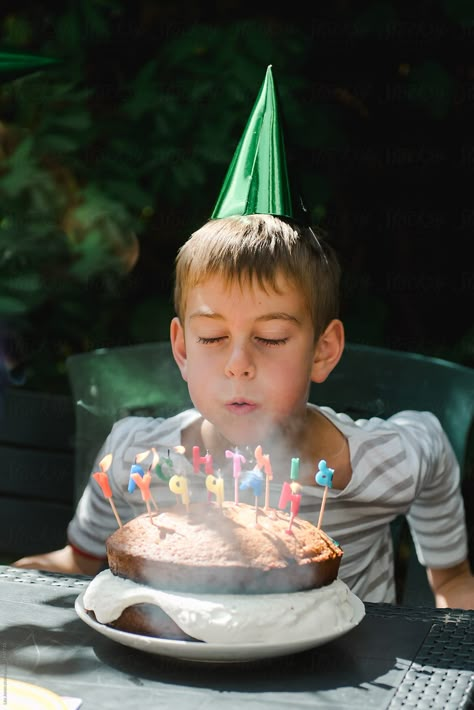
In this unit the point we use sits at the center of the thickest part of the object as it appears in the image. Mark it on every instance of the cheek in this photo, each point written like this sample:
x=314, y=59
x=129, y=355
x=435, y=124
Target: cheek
x=199, y=375
x=292, y=383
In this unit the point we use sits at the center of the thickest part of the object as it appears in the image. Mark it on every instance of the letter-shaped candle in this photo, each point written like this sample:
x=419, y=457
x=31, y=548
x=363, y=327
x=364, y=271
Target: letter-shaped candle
x=216, y=486
x=290, y=493
x=254, y=479
x=198, y=460
x=323, y=477
x=263, y=462
x=295, y=469
x=143, y=482
x=135, y=469
x=239, y=459
x=103, y=480
x=179, y=485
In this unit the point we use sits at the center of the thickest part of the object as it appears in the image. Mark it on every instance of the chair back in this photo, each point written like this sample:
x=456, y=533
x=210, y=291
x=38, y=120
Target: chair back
x=112, y=383
x=372, y=381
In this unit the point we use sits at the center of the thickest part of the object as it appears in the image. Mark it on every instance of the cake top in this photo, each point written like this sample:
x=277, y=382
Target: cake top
x=228, y=535
x=224, y=548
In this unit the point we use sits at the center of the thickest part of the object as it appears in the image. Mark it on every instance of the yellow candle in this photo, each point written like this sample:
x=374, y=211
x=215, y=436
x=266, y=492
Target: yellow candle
x=179, y=485
x=216, y=486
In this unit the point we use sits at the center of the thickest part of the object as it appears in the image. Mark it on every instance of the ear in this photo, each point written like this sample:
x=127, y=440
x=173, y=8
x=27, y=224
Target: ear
x=178, y=345
x=328, y=351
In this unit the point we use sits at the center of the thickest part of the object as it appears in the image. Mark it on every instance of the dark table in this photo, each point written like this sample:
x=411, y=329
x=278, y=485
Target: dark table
x=397, y=657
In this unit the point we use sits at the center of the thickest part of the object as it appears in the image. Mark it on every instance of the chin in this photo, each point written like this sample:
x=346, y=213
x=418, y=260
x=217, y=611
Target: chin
x=250, y=434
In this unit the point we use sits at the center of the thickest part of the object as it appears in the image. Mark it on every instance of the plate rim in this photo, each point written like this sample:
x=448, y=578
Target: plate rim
x=216, y=652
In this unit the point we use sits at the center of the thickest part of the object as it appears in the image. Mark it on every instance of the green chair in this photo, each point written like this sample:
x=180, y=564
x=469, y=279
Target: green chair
x=112, y=383
x=369, y=381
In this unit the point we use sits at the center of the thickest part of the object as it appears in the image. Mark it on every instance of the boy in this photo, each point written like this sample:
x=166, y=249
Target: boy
x=256, y=297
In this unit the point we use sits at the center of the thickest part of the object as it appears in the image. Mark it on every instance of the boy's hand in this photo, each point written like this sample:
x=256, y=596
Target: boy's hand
x=454, y=587
x=65, y=561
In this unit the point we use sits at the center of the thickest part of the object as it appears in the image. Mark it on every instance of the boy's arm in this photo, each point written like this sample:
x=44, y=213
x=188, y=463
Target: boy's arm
x=68, y=560
x=453, y=587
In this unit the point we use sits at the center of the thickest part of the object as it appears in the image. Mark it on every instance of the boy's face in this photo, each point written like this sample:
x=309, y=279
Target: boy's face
x=247, y=356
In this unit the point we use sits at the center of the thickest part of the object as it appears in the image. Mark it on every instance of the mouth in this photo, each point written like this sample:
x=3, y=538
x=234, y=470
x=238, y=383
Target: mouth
x=240, y=406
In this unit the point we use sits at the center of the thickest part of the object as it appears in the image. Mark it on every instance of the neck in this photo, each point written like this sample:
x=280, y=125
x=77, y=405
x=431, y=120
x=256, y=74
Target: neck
x=282, y=443
x=314, y=439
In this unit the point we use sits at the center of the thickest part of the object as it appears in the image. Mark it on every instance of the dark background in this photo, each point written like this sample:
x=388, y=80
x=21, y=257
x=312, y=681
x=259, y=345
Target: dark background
x=109, y=160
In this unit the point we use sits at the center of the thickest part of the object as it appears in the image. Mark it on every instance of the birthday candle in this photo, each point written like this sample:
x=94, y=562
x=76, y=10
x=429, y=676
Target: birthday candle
x=254, y=479
x=323, y=477
x=290, y=493
x=263, y=462
x=238, y=460
x=198, y=460
x=208, y=470
x=103, y=480
x=158, y=466
x=216, y=485
x=179, y=485
x=135, y=468
x=295, y=469
x=143, y=482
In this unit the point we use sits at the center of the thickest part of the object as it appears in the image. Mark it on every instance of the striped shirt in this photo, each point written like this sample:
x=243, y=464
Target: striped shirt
x=401, y=465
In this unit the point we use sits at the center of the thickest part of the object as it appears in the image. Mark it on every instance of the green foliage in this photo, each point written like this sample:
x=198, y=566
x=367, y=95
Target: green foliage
x=97, y=153
x=109, y=159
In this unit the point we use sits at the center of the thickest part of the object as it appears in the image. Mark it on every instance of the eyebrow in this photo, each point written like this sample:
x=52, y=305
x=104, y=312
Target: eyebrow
x=212, y=315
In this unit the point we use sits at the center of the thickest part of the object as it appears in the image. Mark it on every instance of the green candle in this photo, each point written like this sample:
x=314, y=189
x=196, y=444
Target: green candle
x=295, y=469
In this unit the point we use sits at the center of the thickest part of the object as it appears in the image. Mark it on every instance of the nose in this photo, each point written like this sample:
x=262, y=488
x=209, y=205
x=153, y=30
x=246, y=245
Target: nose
x=239, y=364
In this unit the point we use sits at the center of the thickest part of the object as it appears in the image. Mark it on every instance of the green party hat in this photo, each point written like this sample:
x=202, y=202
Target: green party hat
x=257, y=180
x=13, y=65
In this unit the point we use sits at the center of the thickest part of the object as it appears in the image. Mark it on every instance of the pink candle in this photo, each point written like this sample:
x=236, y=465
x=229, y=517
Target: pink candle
x=238, y=460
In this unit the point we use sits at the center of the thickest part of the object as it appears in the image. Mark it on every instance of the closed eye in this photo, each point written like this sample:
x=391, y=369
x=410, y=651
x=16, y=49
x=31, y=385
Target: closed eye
x=270, y=342
x=209, y=341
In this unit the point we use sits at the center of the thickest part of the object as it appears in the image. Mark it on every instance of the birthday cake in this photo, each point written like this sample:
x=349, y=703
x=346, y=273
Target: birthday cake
x=204, y=574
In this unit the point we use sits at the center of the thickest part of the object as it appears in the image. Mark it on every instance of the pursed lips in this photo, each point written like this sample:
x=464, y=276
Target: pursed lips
x=240, y=406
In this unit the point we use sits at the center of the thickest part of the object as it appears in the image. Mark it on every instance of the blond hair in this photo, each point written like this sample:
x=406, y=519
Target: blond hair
x=260, y=248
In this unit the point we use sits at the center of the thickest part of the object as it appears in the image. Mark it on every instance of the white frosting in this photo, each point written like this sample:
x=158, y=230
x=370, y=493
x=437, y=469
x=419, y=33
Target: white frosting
x=230, y=618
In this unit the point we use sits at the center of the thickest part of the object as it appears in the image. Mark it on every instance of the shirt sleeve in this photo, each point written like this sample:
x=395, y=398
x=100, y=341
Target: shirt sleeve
x=436, y=516
x=94, y=519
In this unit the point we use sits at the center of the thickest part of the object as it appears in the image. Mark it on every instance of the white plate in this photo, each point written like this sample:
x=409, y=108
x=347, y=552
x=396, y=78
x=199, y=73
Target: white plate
x=217, y=652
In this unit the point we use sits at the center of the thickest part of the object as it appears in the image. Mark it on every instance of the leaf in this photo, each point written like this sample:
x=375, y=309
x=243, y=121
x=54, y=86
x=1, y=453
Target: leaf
x=76, y=121
x=22, y=153
x=129, y=192
x=10, y=306
x=57, y=143
x=25, y=282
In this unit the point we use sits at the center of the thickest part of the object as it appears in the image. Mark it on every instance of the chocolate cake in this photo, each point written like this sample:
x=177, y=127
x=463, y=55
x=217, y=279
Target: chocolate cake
x=224, y=550
x=212, y=552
